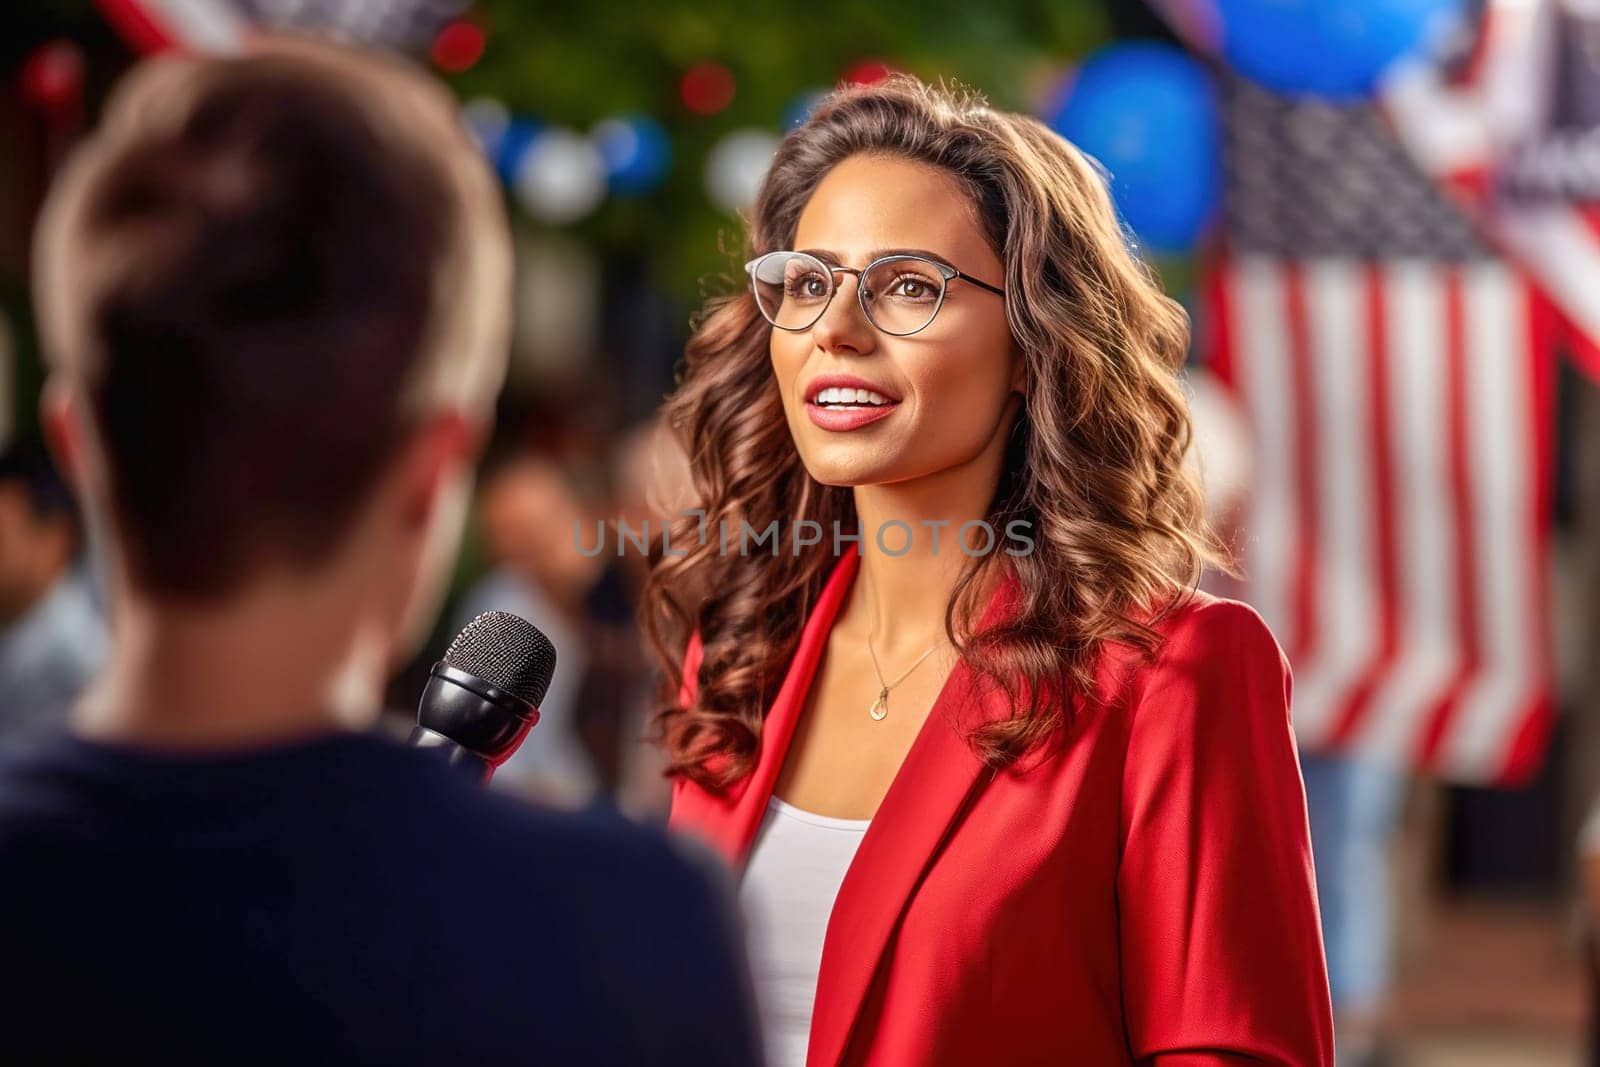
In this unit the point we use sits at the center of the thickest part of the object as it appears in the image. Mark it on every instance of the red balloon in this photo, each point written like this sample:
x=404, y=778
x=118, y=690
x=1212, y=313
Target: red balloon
x=707, y=88
x=458, y=46
x=868, y=72
x=52, y=76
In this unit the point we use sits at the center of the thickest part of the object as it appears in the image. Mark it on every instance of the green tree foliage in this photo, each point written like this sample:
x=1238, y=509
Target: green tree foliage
x=575, y=64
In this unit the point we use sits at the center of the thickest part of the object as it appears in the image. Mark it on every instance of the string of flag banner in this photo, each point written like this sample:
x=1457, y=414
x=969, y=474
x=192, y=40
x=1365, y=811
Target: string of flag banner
x=557, y=174
x=1145, y=111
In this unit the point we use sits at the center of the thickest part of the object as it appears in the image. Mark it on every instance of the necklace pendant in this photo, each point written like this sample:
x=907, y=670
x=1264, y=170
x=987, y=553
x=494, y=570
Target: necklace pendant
x=880, y=707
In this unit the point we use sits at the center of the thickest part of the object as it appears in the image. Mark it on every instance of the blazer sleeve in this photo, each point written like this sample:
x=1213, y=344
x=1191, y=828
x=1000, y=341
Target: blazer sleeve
x=1222, y=957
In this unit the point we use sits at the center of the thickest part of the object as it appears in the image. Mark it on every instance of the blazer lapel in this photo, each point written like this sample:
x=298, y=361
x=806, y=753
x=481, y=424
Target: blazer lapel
x=730, y=822
x=935, y=786
x=938, y=781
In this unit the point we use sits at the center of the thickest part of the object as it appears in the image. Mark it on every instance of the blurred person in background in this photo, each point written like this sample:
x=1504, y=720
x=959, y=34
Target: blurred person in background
x=557, y=565
x=1355, y=805
x=274, y=292
x=528, y=515
x=653, y=486
x=52, y=637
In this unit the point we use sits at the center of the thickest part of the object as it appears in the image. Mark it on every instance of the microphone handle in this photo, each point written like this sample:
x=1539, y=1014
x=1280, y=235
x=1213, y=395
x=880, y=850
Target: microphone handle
x=453, y=753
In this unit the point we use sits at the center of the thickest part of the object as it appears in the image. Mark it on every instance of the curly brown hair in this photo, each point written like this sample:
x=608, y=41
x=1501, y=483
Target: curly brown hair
x=1096, y=462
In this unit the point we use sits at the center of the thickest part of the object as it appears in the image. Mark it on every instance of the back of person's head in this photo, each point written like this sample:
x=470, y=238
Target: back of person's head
x=262, y=275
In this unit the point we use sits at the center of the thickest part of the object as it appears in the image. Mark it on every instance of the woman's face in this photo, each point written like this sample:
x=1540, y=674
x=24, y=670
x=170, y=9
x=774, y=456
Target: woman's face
x=947, y=387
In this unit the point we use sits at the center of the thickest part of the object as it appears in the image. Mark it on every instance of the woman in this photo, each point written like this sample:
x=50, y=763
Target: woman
x=1002, y=786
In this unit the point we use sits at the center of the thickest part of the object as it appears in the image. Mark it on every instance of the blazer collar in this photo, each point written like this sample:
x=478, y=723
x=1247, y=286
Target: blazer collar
x=730, y=822
x=933, y=789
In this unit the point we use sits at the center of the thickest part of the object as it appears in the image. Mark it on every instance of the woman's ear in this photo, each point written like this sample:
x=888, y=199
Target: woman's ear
x=1019, y=373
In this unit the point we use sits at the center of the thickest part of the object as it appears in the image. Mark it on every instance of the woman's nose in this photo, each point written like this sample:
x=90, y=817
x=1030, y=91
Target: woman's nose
x=843, y=327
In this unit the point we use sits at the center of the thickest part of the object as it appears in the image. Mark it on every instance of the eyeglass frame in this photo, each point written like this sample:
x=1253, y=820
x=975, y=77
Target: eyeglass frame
x=947, y=274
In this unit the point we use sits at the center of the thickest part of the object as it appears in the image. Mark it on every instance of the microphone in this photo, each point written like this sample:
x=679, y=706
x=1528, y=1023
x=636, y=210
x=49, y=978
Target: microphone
x=483, y=697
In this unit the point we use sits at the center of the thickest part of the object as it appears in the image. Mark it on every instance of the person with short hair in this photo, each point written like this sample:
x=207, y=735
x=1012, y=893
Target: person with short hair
x=274, y=289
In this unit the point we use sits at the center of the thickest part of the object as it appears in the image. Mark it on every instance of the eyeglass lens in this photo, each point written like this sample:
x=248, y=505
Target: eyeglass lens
x=901, y=294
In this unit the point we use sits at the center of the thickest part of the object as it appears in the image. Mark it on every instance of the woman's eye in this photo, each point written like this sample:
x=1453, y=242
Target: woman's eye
x=913, y=287
x=808, y=287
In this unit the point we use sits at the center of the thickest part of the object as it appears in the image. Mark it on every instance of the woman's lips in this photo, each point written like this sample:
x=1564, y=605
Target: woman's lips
x=842, y=418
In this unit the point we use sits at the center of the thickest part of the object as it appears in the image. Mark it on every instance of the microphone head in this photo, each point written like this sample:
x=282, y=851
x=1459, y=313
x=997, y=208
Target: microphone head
x=507, y=652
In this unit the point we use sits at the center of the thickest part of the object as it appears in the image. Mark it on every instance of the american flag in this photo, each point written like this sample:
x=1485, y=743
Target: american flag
x=1513, y=132
x=1397, y=378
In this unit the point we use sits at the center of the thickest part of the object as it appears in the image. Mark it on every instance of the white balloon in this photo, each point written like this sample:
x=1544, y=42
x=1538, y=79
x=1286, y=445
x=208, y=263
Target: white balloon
x=737, y=165
x=561, y=177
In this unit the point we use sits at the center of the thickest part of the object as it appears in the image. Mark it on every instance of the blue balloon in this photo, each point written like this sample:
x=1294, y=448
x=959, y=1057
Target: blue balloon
x=1330, y=48
x=1147, y=112
x=637, y=153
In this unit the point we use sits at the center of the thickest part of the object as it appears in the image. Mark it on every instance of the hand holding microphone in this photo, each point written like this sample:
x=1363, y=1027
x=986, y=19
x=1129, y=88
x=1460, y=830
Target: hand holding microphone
x=483, y=697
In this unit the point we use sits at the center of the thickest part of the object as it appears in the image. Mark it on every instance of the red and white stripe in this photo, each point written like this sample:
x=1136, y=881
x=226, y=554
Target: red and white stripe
x=185, y=25
x=1396, y=530
x=1458, y=129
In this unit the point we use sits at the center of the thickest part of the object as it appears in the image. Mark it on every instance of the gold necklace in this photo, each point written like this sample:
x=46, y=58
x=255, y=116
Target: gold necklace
x=879, y=709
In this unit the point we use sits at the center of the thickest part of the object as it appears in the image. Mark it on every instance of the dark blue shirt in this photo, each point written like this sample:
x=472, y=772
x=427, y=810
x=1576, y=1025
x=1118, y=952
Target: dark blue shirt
x=345, y=899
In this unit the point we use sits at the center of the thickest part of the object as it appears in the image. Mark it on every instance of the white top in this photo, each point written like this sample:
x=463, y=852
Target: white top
x=796, y=867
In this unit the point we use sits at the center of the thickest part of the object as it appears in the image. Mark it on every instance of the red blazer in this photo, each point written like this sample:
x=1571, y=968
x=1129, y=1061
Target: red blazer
x=1143, y=896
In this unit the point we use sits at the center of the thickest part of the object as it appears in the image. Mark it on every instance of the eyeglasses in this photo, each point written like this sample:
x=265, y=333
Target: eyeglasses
x=899, y=294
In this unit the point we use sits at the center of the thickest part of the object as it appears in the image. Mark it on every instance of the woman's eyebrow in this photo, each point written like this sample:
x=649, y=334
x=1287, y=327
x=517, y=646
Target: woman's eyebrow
x=878, y=253
x=923, y=252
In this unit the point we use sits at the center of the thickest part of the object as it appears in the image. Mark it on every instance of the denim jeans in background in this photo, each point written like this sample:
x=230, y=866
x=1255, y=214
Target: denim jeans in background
x=1355, y=809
